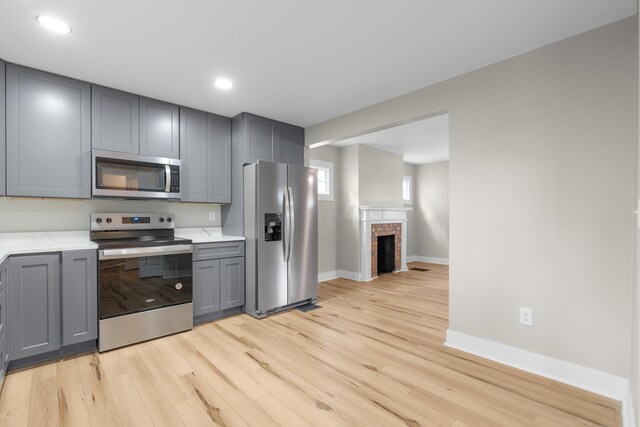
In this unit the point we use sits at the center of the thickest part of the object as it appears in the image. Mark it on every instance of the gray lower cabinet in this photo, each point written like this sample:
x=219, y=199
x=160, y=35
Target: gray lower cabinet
x=205, y=152
x=48, y=134
x=159, y=129
x=231, y=282
x=79, y=296
x=3, y=183
x=206, y=287
x=34, y=295
x=218, y=277
x=114, y=120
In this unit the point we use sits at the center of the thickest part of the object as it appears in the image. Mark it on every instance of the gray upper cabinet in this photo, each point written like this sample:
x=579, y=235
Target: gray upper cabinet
x=193, y=150
x=159, y=129
x=262, y=140
x=292, y=145
x=205, y=151
x=206, y=287
x=48, y=135
x=114, y=120
x=218, y=159
x=3, y=183
x=79, y=296
x=266, y=139
x=34, y=295
x=231, y=282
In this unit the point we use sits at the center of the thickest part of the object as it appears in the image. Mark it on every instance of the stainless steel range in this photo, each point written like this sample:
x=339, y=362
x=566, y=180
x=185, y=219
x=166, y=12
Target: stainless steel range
x=144, y=278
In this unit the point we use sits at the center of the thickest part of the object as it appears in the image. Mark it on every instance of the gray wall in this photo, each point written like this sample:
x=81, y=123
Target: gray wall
x=409, y=169
x=328, y=212
x=380, y=177
x=542, y=193
x=18, y=214
x=432, y=210
x=348, y=210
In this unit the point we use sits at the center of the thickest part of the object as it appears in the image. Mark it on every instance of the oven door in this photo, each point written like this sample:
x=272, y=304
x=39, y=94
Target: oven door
x=135, y=176
x=139, y=279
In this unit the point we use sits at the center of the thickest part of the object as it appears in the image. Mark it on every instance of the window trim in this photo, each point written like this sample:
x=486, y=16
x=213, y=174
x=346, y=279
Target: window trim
x=407, y=178
x=321, y=164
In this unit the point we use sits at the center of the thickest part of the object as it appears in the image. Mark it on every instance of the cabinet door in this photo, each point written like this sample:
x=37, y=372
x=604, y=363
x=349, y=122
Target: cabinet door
x=219, y=159
x=292, y=145
x=3, y=183
x=206, y=287
x=34, y=295
x=48, y=135
x=79, y=296
x=231, y=282
x=114, y=120
x=193, y=153
x=262, y=139
x=159, y=129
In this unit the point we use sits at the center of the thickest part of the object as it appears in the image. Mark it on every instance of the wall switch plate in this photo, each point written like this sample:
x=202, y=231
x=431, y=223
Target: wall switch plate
x=526, y=316
x=212, y=215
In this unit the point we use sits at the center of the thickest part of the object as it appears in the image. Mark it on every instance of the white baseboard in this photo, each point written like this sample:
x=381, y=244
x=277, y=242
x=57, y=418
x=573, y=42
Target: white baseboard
x=344, y=274
x=432, y=260
x=592, y=380
x=628, y=412
x=329, y=275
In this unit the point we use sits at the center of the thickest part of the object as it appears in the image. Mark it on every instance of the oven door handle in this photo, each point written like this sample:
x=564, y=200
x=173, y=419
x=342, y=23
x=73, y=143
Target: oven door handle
x=142, y=252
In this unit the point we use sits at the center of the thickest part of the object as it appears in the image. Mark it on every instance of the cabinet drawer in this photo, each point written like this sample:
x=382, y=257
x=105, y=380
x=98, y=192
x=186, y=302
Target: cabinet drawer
x=204, y=251
x=3, y=358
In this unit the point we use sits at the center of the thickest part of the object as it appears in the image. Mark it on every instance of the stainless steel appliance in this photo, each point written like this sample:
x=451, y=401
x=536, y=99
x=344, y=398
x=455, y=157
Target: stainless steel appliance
x=281, y=230
x=144, y=278
x=135, y=176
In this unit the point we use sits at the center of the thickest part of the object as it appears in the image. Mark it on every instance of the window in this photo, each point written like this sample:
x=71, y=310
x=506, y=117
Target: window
x=325, y=179
x=406, y=189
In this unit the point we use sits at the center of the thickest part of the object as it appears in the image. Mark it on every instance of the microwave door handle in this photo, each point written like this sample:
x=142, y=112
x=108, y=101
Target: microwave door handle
x=167, y=186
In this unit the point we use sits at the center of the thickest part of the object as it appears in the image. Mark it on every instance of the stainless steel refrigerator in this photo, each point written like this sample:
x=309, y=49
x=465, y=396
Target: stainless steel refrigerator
x=281, y=230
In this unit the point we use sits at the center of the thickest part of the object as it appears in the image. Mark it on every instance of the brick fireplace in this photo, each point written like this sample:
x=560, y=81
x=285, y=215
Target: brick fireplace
x=375, y=222
x=385, y=229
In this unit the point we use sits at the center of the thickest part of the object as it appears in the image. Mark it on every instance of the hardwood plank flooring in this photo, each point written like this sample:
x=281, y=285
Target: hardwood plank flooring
x=373, y=355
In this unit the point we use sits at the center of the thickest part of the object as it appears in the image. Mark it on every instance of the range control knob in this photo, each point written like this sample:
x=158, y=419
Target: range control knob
x=98, y=220
x=108, y=220
x=161, y=219
x=169, y=219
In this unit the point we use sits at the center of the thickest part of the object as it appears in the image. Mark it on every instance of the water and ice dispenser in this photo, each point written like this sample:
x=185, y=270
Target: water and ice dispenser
x=272, y=227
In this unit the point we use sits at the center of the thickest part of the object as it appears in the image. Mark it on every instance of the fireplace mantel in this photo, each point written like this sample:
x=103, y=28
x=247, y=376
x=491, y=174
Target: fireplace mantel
x=380, y=215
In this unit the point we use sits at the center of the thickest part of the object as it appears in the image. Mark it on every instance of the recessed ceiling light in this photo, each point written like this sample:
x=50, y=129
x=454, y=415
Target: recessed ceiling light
x=223, y=83
x=53, y=24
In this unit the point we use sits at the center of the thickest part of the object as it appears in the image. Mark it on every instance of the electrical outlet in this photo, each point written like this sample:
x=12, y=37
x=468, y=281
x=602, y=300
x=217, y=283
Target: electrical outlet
x=526, y=316
x=212, y=215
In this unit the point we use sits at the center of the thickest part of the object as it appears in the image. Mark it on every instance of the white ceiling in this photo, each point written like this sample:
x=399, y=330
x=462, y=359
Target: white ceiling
x=419, y=142
x=302, y=62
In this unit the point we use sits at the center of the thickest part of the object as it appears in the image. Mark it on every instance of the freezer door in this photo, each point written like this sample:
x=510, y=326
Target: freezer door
x=271, y=263
x=303, y=239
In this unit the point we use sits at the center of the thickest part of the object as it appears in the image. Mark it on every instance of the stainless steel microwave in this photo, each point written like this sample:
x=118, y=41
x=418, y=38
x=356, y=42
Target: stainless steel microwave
x=134, y=176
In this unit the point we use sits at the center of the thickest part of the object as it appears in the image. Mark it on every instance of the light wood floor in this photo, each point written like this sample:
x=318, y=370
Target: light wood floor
x=371, y=356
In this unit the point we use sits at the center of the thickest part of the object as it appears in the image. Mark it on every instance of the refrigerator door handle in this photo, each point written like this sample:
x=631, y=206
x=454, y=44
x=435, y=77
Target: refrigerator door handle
x=291, y=218
x=287, y=225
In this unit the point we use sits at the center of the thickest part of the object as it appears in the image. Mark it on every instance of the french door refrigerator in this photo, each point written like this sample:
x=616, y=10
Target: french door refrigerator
x=281, y=231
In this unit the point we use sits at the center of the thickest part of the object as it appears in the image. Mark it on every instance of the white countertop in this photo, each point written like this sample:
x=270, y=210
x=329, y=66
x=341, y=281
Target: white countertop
x=206, y=235
x=55, y=241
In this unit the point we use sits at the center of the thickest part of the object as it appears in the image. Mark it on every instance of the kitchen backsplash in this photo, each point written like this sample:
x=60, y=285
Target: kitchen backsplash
x=24, y=214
